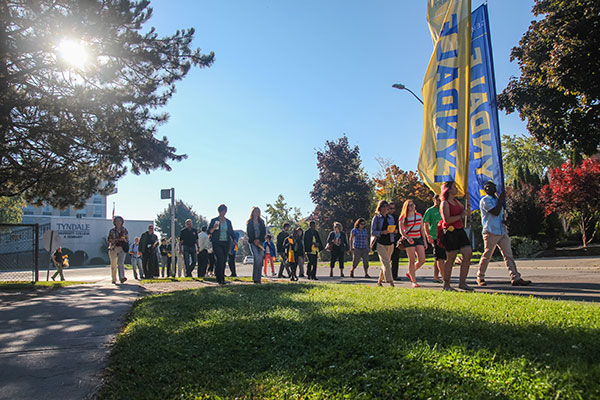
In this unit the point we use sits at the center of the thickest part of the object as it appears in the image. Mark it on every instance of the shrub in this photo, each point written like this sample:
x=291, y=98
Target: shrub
x=79, y=258
x=524, y=212
x=98, y=261
x=525, y=247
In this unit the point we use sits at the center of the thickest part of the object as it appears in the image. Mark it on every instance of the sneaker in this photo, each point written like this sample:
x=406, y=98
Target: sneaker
x=123, y=280
x=521, y=282
x=465, y=287
x=274, y=274
x=481, y=282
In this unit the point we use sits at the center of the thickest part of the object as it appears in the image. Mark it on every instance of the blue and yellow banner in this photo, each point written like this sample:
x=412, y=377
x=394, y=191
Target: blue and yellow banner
x=485, y=156
x=445, y=145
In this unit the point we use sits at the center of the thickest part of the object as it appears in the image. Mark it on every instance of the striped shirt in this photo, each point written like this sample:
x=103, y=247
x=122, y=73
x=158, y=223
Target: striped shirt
x=412, y=226
x=359, y=238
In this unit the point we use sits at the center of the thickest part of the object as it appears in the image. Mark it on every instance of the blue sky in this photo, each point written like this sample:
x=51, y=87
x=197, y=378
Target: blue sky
x=289, y=75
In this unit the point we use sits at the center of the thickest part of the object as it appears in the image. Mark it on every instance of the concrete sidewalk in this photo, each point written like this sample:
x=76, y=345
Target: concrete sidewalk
x=56, y=345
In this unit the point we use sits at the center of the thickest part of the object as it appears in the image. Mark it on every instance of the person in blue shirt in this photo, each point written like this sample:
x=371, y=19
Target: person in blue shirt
x=495, y=234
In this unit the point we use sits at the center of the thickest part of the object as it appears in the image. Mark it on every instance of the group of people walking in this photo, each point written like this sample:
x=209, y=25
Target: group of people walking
x=211, y=249
x=441, y=227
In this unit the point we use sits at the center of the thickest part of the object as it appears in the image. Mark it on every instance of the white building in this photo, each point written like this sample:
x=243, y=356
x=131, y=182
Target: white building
x=95, y=207
x=83, y=231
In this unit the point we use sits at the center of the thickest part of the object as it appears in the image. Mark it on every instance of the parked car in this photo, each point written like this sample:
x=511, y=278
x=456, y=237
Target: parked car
x=248, y=260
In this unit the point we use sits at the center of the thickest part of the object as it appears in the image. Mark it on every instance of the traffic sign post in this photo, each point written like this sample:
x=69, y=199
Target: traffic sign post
x=51, y=241
x=170, y=194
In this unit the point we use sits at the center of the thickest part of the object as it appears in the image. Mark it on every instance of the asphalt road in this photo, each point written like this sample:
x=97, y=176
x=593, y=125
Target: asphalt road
x=561, y=278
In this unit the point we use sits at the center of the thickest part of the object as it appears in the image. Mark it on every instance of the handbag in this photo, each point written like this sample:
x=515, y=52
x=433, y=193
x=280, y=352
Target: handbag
x=373, y=243
x=125, y=246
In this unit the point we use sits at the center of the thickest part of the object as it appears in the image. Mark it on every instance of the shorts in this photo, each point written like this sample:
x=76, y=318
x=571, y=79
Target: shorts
x=416, y=242
x=438, y=252
x=455, y=240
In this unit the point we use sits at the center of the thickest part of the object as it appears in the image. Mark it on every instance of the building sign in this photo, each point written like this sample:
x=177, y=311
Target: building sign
x=73, y=230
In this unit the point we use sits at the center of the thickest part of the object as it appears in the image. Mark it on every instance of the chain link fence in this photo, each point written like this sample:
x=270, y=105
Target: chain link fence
x=19, y=252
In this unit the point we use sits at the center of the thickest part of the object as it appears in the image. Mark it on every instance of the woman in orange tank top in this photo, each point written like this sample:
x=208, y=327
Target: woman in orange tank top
x=454, y=237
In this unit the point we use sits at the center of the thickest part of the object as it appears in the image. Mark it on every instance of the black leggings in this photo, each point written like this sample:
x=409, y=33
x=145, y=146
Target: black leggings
x=337, y=257
x=221, y=250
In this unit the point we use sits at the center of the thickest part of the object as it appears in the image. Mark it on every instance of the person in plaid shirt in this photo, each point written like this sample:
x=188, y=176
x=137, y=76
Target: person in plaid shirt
x=359, y=246
x=117, y=237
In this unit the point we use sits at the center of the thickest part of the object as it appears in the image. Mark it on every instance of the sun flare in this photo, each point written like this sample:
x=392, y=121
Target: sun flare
x=73, y=52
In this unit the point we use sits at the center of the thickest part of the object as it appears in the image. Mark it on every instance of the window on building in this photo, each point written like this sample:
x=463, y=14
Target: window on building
x=66, y=212
x=46, y=210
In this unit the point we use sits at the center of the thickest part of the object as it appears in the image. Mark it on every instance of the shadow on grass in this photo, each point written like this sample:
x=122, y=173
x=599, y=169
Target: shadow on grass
x=577, y=291
x=320, y=341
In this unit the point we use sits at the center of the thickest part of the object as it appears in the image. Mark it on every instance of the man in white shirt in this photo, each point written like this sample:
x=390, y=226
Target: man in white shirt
x=203, y=243
x=494, y=234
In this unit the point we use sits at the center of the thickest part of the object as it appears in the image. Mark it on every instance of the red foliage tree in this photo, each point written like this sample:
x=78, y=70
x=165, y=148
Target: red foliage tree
x=575, y=193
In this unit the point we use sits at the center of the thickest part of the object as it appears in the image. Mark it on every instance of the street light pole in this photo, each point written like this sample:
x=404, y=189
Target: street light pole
x=402, y=87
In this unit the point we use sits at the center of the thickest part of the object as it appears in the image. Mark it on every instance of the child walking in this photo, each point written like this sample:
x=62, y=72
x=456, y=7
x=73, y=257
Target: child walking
x=270, y=254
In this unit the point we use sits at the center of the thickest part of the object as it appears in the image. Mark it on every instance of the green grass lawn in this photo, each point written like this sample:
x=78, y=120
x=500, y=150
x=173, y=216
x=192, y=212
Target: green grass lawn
x=289, y=341
x=28, y=285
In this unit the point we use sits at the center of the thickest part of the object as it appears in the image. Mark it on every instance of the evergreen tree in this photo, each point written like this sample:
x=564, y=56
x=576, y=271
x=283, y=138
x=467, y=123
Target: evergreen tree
x=11, y=210
x=80, y=86
x=343, y=191
x=279, y=213
x=183, y=211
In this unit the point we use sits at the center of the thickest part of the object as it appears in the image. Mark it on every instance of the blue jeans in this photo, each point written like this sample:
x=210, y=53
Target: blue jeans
x=258, y=254
x=187, y=252
x=136, y=265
